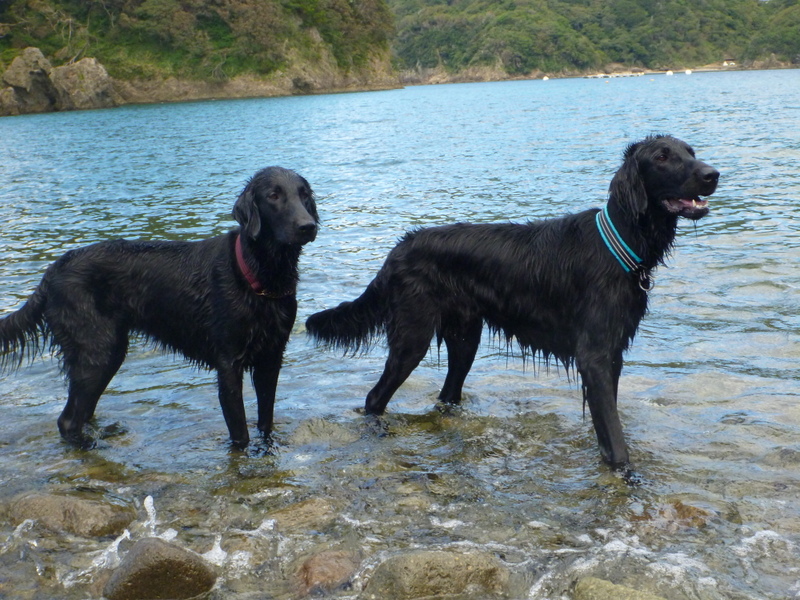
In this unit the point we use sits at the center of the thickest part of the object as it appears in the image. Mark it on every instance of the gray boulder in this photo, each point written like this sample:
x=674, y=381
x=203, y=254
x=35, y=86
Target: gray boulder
x=326, y=571
x=591, y=588
x=438, y=574
x=29, y=77
x=9, y=106
x=34, y=86
x=156, y=570
x=71, y=514
x=83, y=85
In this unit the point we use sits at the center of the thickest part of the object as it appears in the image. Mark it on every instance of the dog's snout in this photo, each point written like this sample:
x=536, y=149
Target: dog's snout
x=709, y=174
x=309, y=227
x=306, y=232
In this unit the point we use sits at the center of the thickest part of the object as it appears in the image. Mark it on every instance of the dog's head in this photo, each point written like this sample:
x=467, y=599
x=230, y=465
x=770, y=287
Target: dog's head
x=277, y=204
x=662, y=173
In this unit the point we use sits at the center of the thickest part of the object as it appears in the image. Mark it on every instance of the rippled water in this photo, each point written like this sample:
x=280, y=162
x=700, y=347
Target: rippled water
x=708, y=395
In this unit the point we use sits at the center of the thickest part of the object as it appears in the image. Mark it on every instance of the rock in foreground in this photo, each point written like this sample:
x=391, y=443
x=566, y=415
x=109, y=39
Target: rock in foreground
x=70, y=514
x=157, y=570
x=438, y=574
x=591, y=588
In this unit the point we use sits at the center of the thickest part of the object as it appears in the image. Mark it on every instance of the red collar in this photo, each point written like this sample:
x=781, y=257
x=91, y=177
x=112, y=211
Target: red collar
x=255, y=284
x=248, y=274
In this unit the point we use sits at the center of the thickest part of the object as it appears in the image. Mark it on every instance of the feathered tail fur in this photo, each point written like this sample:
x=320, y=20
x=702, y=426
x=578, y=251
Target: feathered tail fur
x=22, y=331
x=352, y=326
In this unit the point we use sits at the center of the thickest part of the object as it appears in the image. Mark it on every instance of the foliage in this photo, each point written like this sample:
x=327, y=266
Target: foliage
x=781, y=35
x=205, y=39
x=575, y=35
x=219, y=39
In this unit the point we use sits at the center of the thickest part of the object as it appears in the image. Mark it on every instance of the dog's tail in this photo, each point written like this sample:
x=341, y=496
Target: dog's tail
x=22, y=331
x=352, y=326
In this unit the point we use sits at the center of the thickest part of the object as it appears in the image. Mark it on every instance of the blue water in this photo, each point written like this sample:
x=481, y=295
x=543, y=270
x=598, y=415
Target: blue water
x=708, y=395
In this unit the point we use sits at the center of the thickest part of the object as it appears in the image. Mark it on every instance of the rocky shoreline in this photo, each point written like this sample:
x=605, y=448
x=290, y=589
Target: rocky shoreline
x=140, y=564
x=32, y=85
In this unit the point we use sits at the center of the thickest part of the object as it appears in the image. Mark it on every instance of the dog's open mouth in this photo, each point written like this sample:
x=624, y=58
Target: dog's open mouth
x=691, y=208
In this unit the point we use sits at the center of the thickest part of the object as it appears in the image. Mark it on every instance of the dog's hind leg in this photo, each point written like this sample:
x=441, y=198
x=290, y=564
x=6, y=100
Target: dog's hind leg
x=409, y=340
x=462, y=345
x=88, y=372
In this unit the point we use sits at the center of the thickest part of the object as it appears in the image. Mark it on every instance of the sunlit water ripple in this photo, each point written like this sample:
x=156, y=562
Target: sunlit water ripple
x=708, y=395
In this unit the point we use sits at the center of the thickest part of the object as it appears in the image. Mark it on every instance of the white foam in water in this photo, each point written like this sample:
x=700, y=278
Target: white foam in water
x=16, y=535
x=150, y=509
x=264, y=530
x=152, y=521
x=216, y=555
x=676, y=567
x=764, y=543
x=447, y=523
x=239, y=563
x=106, y=559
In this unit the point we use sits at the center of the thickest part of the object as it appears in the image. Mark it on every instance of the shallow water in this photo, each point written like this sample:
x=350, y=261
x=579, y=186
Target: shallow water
x=708, y=395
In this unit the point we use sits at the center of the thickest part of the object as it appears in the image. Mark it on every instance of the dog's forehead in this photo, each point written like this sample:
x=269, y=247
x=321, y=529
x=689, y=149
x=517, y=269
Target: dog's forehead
x=274, y=178
x=679, y=145
x=668, y=145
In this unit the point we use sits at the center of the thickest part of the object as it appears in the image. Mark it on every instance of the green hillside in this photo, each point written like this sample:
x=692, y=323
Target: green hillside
x=521, y=36
x=216, y=40
x=199, y=39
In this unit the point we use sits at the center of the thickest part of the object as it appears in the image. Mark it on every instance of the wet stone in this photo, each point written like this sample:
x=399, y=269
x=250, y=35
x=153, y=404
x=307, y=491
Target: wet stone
x=326, y=571
x=438, y=574
x=323, y=432
x=312, y=514
x=70, y=514
x=592, y=588
x=157, y=570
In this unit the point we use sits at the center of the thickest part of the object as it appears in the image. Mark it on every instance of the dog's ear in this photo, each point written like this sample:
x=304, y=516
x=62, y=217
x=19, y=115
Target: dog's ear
x=627, y=186
x=245, y=211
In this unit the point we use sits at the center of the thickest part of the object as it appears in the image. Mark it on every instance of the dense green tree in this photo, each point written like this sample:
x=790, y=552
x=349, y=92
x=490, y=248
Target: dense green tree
x=195, y=38
x=219, y=39
x=569, y=35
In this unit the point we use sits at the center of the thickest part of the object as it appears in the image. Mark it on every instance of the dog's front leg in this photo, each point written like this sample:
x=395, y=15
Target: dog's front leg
x=265, y=382
x=599, y=393
x=229, y=379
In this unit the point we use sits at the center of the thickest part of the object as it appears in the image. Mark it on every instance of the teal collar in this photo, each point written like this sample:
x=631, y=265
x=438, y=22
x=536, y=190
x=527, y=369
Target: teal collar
x=626, y=257
x=629, y=260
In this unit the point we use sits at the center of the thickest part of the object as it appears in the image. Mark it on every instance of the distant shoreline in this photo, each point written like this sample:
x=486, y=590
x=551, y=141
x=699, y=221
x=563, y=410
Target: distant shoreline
x=175, y=90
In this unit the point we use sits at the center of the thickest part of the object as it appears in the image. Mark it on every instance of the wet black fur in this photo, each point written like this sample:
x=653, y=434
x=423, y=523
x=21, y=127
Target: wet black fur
x=551, y=285
x=187, y=297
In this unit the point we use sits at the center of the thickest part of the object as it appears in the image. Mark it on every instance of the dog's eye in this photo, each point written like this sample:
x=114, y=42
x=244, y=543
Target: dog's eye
x=274, y=196
x=661, y=157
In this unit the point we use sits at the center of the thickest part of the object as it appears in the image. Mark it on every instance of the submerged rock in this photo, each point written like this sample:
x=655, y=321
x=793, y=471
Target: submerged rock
x=70, y=514
x=326, y=571
x=312, y=514
x=156, y=570
x=591, y=588
x=323, y=432
x=438, y=574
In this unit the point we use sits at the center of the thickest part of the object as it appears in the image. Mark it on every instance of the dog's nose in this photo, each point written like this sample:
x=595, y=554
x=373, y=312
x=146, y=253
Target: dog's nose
x=709, y=174
x=307, y=228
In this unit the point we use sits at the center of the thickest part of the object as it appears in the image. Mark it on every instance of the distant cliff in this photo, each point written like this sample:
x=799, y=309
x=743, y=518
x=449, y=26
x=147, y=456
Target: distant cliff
x=164, y=50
